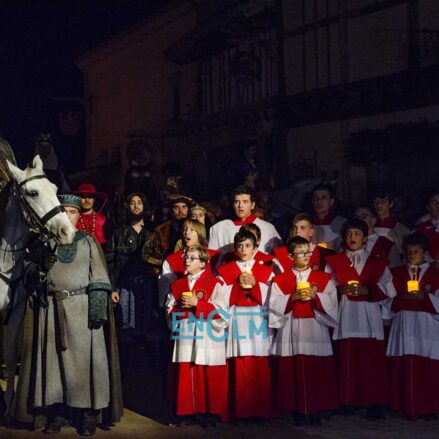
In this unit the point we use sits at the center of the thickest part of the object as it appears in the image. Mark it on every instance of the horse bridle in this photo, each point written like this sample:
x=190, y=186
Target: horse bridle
x=34, y=221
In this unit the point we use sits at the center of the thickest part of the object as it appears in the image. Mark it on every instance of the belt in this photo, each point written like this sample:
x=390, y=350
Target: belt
x=60, y=318
x=65, y=294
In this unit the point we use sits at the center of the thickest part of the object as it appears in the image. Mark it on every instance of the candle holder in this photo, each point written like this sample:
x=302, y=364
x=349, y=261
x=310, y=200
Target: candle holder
x=302, y=285
x=413, y=286
x=355, y=284
x=187, y=294
x=246, y=286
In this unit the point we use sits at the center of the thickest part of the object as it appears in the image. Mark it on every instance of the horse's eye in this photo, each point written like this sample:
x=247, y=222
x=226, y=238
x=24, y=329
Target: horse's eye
x=32, y=194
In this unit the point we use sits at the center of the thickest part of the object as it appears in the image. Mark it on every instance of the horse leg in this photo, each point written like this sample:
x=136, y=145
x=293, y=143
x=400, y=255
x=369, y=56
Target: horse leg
x=11, y=332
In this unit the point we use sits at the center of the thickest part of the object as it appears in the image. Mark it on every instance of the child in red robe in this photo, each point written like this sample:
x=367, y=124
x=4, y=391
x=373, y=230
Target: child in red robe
x=303, y=306
x=413, y=345
x=199, y=356
x=246, y=286
x=364, y=286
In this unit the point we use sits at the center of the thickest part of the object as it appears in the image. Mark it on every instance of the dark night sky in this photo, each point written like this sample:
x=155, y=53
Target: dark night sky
x=39, y=42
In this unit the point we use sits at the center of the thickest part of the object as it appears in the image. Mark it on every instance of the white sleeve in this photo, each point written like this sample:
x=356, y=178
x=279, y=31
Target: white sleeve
x=218, y=300
x=385, y=283
x=328, y=299
x=435, y=301
x=213, y=238
x=167, y=276
x=274, y=242
x=277, y=304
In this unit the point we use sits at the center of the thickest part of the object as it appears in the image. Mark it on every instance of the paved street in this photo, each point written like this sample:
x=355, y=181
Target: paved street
x=147, y=415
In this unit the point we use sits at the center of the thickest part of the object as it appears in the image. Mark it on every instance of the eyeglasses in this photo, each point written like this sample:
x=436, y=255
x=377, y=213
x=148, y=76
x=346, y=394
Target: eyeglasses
x=190, y=258
x=302, y=254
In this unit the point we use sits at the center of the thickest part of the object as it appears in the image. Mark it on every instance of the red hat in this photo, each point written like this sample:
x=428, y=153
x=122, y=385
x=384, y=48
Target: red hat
x=87, y=188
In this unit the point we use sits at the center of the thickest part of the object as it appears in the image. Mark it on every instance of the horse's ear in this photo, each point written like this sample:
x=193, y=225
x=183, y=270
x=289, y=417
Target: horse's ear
x=17, y=173
x=37, y=163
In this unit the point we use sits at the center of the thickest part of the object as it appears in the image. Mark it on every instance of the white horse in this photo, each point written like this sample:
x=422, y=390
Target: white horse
x=31, y=206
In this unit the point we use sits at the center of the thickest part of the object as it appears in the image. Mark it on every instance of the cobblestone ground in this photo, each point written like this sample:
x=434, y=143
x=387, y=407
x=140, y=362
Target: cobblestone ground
x=147, y=415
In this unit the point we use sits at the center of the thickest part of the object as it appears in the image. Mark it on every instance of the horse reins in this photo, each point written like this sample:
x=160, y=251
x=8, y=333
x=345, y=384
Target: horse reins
x=40, y=222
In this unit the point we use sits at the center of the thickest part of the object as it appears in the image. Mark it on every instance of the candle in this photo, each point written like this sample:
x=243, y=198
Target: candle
x=246, y=286
x=187, y=294
x=353, y=282
x=413, y=286
x=323, y=244
x=301, y=285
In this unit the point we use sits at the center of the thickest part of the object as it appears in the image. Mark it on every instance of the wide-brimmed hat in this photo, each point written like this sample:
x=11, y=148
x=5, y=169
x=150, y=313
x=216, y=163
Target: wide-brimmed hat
x=87, y=188
x=70, y=200
x=179, y=198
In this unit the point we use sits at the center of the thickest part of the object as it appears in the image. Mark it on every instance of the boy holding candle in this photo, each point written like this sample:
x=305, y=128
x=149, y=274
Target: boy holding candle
x=413, y=345
x=199, y=353
x=246, y=286
x=364, y=285
x=303, y=306
x=303, y=226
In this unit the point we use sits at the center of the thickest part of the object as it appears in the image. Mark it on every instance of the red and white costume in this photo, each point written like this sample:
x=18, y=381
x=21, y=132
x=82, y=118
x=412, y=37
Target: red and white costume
x=392, y=229
x=430, y=229
x=360, y=346
x=173, y=269
x=199, y=354
x=306, y=369
x=317, y=261
x=221, y=234
x=413, y=345
x=249, y=340
x=328, y=230
x=382, y=247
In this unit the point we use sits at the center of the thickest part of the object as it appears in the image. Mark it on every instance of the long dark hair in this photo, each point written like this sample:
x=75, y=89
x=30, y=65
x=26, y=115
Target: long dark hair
x=126, y=212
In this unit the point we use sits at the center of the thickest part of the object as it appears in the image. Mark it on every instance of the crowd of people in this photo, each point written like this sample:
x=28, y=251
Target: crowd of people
x=339, y=314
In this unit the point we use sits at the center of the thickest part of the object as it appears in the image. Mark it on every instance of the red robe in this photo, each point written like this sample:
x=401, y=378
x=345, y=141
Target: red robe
x=96, y=229
x=414, y=379
x=198, y=388
x=305, y=383
x=429, y=230
x=361, y=362
x=250, y=377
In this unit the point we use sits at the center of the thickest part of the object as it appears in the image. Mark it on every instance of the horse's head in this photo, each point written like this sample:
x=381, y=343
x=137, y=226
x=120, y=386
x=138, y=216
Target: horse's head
x=40, y=195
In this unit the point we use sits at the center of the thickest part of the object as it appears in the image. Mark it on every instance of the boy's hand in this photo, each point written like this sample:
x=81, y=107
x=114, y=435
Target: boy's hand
x=189, y=301
x=349, y=290
x=115, y=297
x=247, y=279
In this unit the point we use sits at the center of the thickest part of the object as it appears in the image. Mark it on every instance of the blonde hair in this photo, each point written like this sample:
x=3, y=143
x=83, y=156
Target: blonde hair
x=199, y=229
x=197, y=207
x=203, y=253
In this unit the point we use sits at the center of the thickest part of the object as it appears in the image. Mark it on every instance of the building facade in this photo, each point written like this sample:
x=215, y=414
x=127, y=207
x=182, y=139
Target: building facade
x=273, y=91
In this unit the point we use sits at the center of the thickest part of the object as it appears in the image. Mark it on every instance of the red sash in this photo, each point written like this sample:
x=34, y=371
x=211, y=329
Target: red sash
x=381, y=248
x=302, y=309
x=372, y=271
x=245, y=297
x=202, y=289
x=400, y=278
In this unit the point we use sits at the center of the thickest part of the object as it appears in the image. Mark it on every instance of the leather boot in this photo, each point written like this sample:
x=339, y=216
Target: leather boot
x=57, y=419
x=88, y=423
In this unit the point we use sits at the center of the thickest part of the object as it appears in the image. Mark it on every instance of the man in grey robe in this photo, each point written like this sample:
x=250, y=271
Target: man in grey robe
x=70, y=355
